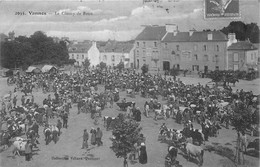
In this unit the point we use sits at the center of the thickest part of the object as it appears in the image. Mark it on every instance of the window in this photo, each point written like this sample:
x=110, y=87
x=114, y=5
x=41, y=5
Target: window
x=123, y=58
x=144, y=60
x=165, y=45
x=105, y=57
x=82, y=56
x=173, y=53
x=144, y=44
x=144, y=53
x=137, y=52
x=206, y=58
x=252, y=56
x=177, y=47
x=77, y=56
x=137, y=44
x=217, y=48
x=235, y=58
x=217, y=68
x=235, y=67
x=195, y=47
x=113, y=58
x=72, y=56
x=215, y=58
x=204, y=47
x=178, y=57
x=155, y=44
x=195, y=57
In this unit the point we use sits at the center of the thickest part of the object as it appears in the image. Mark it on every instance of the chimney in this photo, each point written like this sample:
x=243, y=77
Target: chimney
x=171, y=28
x=231, y=39
x=191, y=32
x=210, y=36
x=94, y=43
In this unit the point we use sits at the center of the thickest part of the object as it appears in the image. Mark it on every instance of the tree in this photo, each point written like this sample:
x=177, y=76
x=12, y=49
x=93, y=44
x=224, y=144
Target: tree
x=125, y=135
x=102, y=65
x=241, y=120
x=120, y=66
x=243, y=31
x=144, y=68
x=86, y=63
x=37, y=49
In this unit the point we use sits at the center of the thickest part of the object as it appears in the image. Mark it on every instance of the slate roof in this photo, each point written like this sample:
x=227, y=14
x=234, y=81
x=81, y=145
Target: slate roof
x=160, y=33
x=80, y=47
x=242, y=45
x=3, y=37
x=180, y=37
x=152, y=33
x=116, y=46
x=202, y=36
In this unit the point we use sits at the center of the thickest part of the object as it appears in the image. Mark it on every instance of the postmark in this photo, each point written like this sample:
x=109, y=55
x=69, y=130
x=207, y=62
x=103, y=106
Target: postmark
x=217, y=9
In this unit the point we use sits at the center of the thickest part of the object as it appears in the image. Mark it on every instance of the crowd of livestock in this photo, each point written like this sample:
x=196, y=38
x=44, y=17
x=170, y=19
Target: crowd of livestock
x=208, y=106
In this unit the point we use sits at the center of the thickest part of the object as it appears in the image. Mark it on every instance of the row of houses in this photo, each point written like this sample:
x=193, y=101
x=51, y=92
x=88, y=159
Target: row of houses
x=165, y=47
x=110, y=52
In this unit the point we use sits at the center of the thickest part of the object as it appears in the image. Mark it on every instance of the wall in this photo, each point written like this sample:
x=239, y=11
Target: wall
x=78, y=57
x=186, y=59
x=94, y=55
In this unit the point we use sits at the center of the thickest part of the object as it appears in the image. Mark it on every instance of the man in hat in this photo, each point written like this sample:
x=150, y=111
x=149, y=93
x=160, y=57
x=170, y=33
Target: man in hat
x=99, y=135
x=85, y=139
x=28, y=151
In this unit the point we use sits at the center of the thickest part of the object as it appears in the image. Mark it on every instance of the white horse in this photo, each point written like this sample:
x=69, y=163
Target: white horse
x=19, y=145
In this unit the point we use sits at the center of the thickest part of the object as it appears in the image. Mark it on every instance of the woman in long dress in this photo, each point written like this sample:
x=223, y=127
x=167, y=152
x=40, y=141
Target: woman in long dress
x=93, y=136
x=143, y=154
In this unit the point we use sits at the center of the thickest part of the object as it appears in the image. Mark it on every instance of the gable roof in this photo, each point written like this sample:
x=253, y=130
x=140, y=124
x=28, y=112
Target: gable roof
x=80, y=47
x=179, y=37
x=242, y=45
x=3, y=37
x=116, y=46
x=152, y=33
x=202, y=36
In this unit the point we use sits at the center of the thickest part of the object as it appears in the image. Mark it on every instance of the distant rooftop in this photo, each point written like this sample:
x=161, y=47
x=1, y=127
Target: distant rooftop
x=242, y=45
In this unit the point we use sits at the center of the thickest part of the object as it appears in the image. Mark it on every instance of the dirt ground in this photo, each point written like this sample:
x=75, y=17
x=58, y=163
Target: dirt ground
x=70, y=141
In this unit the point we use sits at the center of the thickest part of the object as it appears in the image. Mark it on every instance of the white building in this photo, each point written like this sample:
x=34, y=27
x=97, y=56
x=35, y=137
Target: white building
x=83, y=50
x=114, y=52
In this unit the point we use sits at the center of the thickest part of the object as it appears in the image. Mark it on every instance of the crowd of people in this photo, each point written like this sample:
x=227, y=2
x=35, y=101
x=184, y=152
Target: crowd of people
x=208, y=106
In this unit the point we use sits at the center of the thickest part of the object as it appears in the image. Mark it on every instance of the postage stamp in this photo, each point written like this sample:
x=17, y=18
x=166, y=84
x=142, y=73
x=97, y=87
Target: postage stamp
x=221, y=9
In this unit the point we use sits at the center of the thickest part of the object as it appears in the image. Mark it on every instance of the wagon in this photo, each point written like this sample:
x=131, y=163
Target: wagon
x=123, y=106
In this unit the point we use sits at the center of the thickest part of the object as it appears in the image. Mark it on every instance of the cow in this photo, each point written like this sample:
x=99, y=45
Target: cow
x=195, y=152
x=170, y=158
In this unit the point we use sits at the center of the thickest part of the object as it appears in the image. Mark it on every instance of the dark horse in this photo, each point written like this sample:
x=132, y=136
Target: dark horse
x=47, y=134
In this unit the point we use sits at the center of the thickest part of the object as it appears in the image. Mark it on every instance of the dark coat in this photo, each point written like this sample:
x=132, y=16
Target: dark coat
x=143, y=155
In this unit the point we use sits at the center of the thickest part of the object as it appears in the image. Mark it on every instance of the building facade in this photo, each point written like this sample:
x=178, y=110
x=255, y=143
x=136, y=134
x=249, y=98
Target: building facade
x=81, y=51
x=242, y=56
x=168, y=48
x=114, y=52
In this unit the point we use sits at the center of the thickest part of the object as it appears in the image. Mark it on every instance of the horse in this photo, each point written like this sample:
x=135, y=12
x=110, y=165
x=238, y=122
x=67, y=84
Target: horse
x=47, y=133
x=55, y=133
x=19, y=145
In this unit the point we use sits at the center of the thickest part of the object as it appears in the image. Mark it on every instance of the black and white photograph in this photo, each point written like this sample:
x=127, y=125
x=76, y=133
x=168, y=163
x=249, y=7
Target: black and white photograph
x=129, y=83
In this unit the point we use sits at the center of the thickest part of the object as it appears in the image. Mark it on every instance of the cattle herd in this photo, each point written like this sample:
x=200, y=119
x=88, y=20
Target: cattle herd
x=211, y=107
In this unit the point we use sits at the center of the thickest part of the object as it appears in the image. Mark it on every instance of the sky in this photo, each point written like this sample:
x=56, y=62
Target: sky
x=110, y=19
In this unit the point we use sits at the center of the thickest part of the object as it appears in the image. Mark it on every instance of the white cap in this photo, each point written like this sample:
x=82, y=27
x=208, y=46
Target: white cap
x=142, y=144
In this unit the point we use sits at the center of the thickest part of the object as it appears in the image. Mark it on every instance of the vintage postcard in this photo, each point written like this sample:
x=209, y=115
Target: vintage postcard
x=112, y=83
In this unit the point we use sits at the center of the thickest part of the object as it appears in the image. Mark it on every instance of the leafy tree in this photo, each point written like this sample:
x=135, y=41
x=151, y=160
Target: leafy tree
x=37, y=49
x=120, y=66
x=102, y=65
x=125, y=135
x=243, y=31
x=241, y=120
x=86, y=63
x=144, y=68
